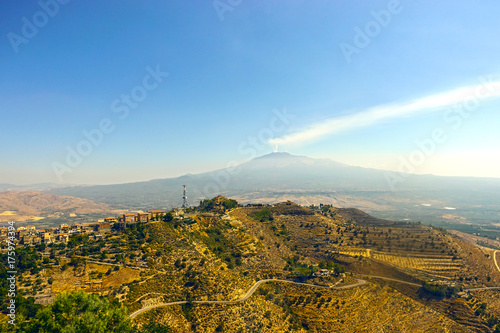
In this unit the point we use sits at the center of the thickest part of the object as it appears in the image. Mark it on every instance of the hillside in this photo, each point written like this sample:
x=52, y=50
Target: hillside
x=209, y=261
x=279, y=177
x=46, y=207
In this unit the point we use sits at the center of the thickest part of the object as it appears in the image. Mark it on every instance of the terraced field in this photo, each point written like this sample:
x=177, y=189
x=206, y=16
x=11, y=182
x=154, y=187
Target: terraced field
x=355, y=252
x=368, y=309
x=442, y=266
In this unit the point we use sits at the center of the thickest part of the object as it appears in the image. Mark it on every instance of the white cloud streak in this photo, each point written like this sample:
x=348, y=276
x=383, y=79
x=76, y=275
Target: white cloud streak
x=471, y=94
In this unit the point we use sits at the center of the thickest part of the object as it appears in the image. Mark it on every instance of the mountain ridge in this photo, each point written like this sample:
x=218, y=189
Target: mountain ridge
x=279, y=177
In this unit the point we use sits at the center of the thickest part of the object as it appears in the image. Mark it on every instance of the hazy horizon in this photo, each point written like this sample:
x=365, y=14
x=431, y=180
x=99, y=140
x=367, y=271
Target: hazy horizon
x=218, y=169
x=109, y=93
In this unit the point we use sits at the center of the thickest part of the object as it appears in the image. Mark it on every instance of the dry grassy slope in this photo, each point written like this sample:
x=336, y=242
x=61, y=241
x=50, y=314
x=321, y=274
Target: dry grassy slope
x=372, y=308
x=415, y=249
x=71, y=279
x=212, y=278
x=404, y=252
x=264, y=246
x=353, y=214
x=28, y=204
x=254, y=315
x=479, y=264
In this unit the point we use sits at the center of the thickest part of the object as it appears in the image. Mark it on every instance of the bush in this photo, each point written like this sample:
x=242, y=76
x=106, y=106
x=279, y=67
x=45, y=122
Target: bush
x=168, y=217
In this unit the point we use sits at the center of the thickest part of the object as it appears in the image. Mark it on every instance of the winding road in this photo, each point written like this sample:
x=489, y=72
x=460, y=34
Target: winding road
x=258, y=283
x=495, y=259
x=484, y=288
x=247, y=296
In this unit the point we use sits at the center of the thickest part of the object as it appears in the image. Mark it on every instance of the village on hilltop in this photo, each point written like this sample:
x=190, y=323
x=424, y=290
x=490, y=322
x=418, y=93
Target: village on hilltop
x=29, y=235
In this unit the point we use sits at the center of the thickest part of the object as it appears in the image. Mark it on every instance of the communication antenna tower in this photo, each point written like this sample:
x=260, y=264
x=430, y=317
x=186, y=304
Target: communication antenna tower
x=184, y=198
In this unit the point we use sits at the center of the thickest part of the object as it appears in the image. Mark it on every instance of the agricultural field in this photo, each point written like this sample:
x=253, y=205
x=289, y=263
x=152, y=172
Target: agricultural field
x=436, y=266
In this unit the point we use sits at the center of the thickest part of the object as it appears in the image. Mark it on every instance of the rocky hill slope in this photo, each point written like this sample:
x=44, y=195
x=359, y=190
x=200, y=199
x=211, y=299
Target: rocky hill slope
x=198, y=272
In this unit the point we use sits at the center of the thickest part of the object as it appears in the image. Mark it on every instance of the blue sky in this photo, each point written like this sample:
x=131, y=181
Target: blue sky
x=228, y=77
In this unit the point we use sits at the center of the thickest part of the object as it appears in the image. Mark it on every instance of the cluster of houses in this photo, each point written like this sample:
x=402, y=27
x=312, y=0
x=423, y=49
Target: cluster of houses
x=30, y=236
x=138, y=217
x=325, y=272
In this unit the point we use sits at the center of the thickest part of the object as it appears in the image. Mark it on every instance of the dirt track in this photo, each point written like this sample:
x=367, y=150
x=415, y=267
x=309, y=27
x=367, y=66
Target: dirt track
x=495, y=259
x=247, y=296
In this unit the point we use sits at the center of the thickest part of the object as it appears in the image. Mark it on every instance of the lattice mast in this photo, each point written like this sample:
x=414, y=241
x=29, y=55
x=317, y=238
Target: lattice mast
x=184, y=198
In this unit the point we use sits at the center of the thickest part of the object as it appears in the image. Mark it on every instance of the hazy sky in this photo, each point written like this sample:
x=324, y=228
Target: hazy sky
x=116, y=91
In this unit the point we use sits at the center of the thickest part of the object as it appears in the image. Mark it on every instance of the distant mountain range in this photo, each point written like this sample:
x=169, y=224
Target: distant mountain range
x=282, y=176
x=32, y=187
x=50, y=209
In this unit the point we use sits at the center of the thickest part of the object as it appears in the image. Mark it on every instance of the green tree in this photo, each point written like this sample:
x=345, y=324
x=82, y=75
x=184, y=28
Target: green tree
x=207, y=205
x=80, y=312
x=168, y=217
x=230, y=204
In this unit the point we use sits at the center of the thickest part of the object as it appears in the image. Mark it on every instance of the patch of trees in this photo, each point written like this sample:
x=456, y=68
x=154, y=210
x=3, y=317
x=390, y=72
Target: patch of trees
x=25, y=307
x=230, y=204
x=209, y=205
x=206, y=205
x=76, y=240
x=438, y=290
x=136, y=231
x=337, y=268
x=80, y=312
